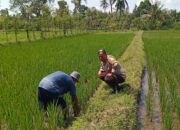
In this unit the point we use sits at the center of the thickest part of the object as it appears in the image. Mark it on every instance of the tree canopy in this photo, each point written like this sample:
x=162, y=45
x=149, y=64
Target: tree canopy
x=37, y=15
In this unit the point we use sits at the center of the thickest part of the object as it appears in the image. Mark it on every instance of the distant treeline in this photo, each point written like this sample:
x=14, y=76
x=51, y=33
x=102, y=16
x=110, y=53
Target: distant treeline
x=38, y=15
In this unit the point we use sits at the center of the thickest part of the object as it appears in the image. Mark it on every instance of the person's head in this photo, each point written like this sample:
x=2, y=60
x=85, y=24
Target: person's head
x=102, y=55
x=75, y=76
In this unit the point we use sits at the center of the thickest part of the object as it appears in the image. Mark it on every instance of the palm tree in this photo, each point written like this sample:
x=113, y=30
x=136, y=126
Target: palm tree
x=77, y=4
x=111, y=2
x=121, y=6
x=104, y=4
x=155, y=14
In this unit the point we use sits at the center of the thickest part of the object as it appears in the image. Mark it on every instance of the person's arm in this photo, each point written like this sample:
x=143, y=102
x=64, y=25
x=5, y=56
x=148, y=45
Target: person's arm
x=76, y=105
x=114, y=71
x=115, y=68
x=101, y=72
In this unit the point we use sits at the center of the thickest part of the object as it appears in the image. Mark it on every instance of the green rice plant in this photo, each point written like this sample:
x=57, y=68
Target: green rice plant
x=22, y=66
x=162, y=49
x=116, y=111
x=36, y=35
x=149, y=97
x=54, y=117
x=168, y=117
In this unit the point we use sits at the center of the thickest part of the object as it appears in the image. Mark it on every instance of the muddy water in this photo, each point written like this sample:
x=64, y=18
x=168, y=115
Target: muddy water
x=143, y=122
x=157, y=115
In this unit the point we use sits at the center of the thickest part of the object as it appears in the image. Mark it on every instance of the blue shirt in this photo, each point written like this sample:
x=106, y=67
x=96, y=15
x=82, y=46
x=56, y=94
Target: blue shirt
x=58, y=83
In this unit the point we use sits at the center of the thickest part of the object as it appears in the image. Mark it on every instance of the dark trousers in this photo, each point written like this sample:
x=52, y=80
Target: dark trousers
x=114, y=81
x=46, y=98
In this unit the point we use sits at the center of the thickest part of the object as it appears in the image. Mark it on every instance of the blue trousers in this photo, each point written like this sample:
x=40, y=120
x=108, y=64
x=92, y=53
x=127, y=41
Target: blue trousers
x=46, y=98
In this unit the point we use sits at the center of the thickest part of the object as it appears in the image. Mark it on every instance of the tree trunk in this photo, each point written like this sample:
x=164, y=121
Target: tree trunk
x=16, y=35
x=64, y=30
x=34, y=36
x=111, y=4
x=42, y=34
x=6, y=32
x=7, y=36
x=59, y=29
x=27, y=34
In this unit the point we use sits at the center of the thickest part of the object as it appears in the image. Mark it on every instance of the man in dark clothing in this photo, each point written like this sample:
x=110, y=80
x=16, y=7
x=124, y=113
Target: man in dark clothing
x=52, y=88
x=110, y=70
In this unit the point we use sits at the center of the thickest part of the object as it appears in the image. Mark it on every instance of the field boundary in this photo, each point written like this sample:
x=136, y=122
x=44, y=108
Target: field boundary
x=25, y=40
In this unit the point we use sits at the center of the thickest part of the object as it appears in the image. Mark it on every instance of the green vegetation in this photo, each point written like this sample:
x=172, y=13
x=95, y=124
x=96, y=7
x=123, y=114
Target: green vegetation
x=10, y=37
x=61, y=39
x=21, y=37
x=162, y=50
x=22, y=66
x=116, y=111
x=38, y=16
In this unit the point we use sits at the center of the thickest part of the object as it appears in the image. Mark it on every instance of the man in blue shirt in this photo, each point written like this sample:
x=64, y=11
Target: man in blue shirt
x=52, y=88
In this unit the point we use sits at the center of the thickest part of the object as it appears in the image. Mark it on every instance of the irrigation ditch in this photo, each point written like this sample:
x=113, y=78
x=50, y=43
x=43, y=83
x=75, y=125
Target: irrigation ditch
x=149, y=119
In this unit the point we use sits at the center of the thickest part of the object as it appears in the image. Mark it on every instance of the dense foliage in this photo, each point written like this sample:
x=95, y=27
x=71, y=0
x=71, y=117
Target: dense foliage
x=42, y=16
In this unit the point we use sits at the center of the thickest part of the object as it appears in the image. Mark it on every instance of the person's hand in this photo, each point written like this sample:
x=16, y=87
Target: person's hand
x=79, y=108
x=76, y=106
x=71, y=110
x=109, y=76
x=101, y=74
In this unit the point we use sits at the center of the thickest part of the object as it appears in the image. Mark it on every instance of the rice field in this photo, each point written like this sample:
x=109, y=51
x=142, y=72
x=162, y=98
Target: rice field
x=22, y=66
x=10, y=37
x=163, y=53
x=107, y=111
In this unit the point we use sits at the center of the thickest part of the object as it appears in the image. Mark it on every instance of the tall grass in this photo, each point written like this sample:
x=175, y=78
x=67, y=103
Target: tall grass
x=22, y=66
x=163, y=54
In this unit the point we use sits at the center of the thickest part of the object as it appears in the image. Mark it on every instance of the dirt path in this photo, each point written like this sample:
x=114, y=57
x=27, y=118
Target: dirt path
x=116, y=111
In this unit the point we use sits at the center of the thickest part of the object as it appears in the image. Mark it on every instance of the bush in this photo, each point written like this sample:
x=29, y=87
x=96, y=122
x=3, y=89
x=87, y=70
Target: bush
x=177, y=26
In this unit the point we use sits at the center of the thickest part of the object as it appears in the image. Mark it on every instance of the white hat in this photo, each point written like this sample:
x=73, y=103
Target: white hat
x=75, y=75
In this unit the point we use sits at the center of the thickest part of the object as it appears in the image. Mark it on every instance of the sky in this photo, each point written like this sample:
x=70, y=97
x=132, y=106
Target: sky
x=170, y=4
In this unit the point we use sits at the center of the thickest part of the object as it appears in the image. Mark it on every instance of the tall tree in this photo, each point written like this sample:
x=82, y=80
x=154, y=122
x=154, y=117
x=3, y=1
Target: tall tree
x=104, y=4
x=156, y=14
x=16, y=22
x=77, y=4
x=111, y=2
x=121, y=6
x=23, y=4
x=151, y=15
x=5, y=15
x=143, y=8
x=62, y=5
x=63, y=16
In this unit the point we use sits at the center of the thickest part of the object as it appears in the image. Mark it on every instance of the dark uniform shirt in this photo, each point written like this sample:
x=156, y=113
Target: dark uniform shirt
x=112, y=66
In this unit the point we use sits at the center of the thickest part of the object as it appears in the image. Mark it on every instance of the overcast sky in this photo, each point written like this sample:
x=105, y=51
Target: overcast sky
x=170, y=4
